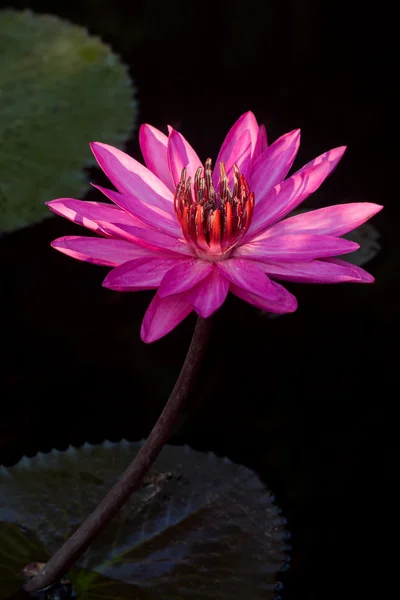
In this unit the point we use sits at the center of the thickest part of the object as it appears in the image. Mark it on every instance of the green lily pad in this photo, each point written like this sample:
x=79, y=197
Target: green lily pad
x=200, y=527
x=60, y=88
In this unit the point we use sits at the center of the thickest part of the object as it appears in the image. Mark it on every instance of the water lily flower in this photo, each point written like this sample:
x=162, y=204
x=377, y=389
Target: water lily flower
x=195, y=233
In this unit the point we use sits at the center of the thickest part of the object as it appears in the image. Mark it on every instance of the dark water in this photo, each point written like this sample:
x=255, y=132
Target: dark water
x=308, y=400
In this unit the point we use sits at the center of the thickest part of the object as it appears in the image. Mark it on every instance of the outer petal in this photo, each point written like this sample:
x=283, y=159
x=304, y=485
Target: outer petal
x=181, y=155
x=130, y=177
x=247, y=275
x=274, y=164
x=93, y=215
x=238, y=146
x=333, y=220
x=364, y=276
x=333, y=156
x=295, y=248
x=163, y=315
x=282, y=301
x=98, y=251
x=151, y=215
x=152, y=238
x=120, y=225
x=153, y=144
x=183, y=276
x=262, y=143
x=208, y=295
x=139, y=274
x=316, y=271
x=284, y=197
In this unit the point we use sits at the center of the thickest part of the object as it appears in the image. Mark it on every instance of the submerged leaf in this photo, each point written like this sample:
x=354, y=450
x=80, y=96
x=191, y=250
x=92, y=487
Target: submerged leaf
x=59, y=88
x=366, y=235
x=200, y=526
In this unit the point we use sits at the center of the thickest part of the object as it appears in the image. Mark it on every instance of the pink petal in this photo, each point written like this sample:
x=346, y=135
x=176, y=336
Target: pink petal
x=98, y=251
x=208, y=295
x=153, y=144
x=284, y=197
x=130, y=177
x=242, y=155
x=261, y=144
x=364, y=276
x=238, y=146
x=139, y=274
x=316, y=271
x=181, y=155
x=333, y=156
x=183, y=276
x=245, y=274
x=333, y=220
x=119, y=224
x=152, y=238
x=282, y=301
x=163, y=315
x=151, y=215
x=274, y=164
x=295, y=248
x=93, y=215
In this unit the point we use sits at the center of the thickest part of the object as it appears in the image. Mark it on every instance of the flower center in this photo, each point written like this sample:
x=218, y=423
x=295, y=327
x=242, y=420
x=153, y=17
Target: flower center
x=213, y=222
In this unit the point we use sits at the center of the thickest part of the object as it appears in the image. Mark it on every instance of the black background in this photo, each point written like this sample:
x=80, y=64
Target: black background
x=307, y=400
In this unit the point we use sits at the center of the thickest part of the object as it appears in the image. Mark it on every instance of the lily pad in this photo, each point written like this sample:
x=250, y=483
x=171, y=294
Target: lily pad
x=200, y=527
x=367, y=237
x=59, y=89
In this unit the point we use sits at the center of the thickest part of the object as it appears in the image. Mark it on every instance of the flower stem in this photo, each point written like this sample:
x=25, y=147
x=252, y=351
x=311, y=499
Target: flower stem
x=130, y=480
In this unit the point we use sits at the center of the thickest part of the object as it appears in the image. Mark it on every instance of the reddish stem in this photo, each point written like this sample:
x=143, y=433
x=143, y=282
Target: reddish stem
x=132, y=477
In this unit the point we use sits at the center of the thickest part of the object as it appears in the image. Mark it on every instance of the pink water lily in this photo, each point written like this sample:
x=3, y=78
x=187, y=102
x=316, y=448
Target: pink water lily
x=194, y=233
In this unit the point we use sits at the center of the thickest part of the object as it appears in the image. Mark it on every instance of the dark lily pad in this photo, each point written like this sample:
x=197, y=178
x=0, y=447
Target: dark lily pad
x=365, y=235
x=200, y=527
x=18, y=547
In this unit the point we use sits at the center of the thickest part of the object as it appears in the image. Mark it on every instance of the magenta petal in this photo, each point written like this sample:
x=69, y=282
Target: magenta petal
x=163, y=315
x=262, y=143
x=153, y=144
x=152, y=238
x=332, y=156
x=183, y=276
x=273, y=165
x=364, y=276
x=116, y=223
x=242, y=154
x=208, y=295
x=295, y=248
x=284, y=197
x=139, y=274
x=98, y=251
x=316, y=271
x=282, y=301
x=333, y=220
x=238, y=146
x=93, y=215
x=247, y=275
x=181, y=155
x=131, y=177
x=151, y=215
